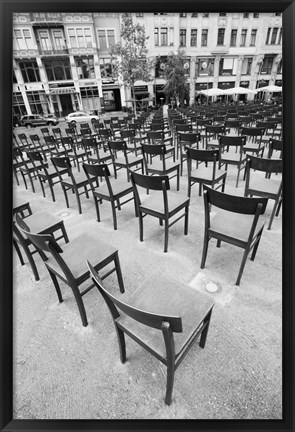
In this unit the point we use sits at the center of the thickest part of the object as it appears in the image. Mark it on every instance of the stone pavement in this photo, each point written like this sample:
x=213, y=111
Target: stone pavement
x=65, y=371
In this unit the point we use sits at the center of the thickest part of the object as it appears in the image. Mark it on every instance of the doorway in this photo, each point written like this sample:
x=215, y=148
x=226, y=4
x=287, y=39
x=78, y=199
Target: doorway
x=66, y=104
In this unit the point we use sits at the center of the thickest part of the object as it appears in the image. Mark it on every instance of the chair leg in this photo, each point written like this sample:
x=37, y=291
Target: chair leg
x=205, y=249
x=32, y=183
x=114, y=214
x=78, y=201
x=15, y=175
x=122, y=344
x=80, y=304
x=242, y=266
x=15, y=244
x=204, y=333
x=119, y=273
x=252, y=258
x=166, y=228
x=186, y=220
x=170, y=379
x=51, y=190
x=178, y=178
x=24, y=179
x=272, y=215
x=66, y=196
x=140, y=226
x=96, y=203
x=42, y=186
x=56, y=286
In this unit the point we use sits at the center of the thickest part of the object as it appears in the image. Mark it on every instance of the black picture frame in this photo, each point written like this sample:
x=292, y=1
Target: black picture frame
x=7, y=423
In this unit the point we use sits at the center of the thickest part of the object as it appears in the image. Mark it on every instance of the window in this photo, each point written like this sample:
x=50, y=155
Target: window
x=228, y=66
x=246, y=66
x=182, y=37
x=194, y=15
x=85, y=67
x=30, y=71
x=59, y=40
x=280, y=65
x=280, y=37
x=220, y=36
x=37, y=101
x=106, y=38
x=204, y=39
x=253, y=37
x=256, y=15
x=267, y=65
x=268, y=36
x=139, y=15
x=22, y=39
x=222, y=14
x=206, y=15
x=18, y=104
x=205, y=66
x=156, y=33
x=245, y=15
x=89, y=97
x=106, y=67
x=182, y=15
x=80, y=37
x=14, y=80
x=194, y=33
x=164, y=36
x=233, y=38
x=58, y=70
x=44, y=40
x=243, y=37
x=274, y=35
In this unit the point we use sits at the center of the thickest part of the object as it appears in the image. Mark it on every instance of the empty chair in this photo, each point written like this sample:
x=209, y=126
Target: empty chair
x=191, y=139
x=57, y=133
x=69, y=262
x=94, y=153
x=164, y=316
x=155, y=162
x=233, y=126
x=163, y=206
x=74, y=152
x=19, y=160
x=45, y=132
x=110, y=190
x=211, y=135
x=275, y=145
x=42, y=223
x=158, y=137
x=123, y=160
x=71, y=182
x=207, y=169
x=24, y=142
x=231, y=152
x=133, y=142
x=236, y=221
x=260, y=182
x=254, y=144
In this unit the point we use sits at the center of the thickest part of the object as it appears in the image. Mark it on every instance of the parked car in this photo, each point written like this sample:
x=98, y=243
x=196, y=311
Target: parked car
x=16, y=121
x=80, y=117
x=37, y=120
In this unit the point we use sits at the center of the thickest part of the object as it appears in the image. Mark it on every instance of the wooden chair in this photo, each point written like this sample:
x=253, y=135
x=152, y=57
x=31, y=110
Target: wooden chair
x=275, y=145
x=231, y=152
x=236, y=221
x=111, y=191
x=206, y=171
x=42, y=223
x=72, y=182
x=133, y=142
x=163, y=316
x=191, y=139
x=19, y=161
x=158, y=137
x=212, y=134
x=162, y=206
x=123, y=160
x=260, y=182
x=69, y=263
x=95, y=154
x=155, y=162
x=254, y=138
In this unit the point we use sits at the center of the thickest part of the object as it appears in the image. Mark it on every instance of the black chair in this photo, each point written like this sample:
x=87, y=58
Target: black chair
x=207, y=169
x=260, y=181
x=96, y=152
x=236, y=221
x=231, y=152
x=162, y=206
x=69, y=263
x=190, y=139
x=163, y=316
x=275, y=145
x=254, y=144
x=123, y=160
x=111, y=190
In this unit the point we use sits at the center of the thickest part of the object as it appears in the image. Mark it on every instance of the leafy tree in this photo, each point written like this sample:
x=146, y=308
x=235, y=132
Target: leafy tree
x=176, y=86
x=129, y=56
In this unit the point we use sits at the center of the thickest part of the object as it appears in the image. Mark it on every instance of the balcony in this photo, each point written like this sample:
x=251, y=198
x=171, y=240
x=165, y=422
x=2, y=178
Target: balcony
x=53, y=51
x=46, y=18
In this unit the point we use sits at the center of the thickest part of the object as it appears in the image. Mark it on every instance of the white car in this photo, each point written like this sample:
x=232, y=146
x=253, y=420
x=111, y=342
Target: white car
x=80, y=117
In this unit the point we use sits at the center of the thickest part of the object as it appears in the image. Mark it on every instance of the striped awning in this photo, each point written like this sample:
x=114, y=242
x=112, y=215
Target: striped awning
x=62, y=90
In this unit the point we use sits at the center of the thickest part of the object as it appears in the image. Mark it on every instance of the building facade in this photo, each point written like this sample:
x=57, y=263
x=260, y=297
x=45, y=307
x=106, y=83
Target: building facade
x=61, y=61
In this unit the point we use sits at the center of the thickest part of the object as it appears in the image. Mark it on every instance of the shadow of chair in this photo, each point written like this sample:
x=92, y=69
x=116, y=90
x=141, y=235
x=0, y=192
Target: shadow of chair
x=111, y=190
x=40, y=222
x=163, y=316
x=231, y=152
x=260, y=182
x=236, y=221
x=73, y=182
x=207, y=170
x=163, y=204
x=68, y=263
x=123, y=160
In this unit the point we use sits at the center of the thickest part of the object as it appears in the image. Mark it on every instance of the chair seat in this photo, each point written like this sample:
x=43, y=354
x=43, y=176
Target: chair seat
x=77, y=252
x=118, y=187
x=206, y=173
x=252, y=147
x=41, y=221
x=132, y=160
x=157, y=165
x=232, y=156
x=269, y=186
x=155, y=202
x=235, y=225
x=80, y=179
x=164, y=295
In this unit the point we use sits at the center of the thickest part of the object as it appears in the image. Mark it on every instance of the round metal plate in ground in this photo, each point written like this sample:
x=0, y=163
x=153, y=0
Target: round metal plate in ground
x=64, y=214
x=212, y=287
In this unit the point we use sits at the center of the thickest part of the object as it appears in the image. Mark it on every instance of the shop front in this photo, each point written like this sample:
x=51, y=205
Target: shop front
x=111, y=100
x=63, y=98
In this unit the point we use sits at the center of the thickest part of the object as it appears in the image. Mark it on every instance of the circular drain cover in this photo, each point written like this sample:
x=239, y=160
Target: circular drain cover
x=212, y=287
x=64, y=214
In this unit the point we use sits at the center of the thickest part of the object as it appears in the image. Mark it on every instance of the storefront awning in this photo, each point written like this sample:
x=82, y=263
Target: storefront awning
x=62, y=90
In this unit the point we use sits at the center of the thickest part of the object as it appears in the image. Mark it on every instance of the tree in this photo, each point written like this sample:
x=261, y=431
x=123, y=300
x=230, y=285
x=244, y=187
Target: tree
x=176, y=86
x=129, y=56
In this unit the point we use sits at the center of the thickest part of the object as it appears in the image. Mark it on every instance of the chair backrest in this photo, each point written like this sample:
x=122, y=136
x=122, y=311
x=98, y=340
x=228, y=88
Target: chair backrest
x=232, y=123
x=183, y=127
x=275, y=145
x=45, y=131
x=35, y=156
x=158, y=182
x=253, y=131
x=229, y=140
x=130, y=133
x=147, y=318
x=155, y=136
x=49, y=139
x=264, y=164
x=153, y=149
x=217, y=129
x=85, y=131
x=84, y=126
x=202, y=155
x=56, y=132
x=96, y=171
x=117, y=146
x=61, y=164
x=67, y=141
x=35, y=138
x=234, y=203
